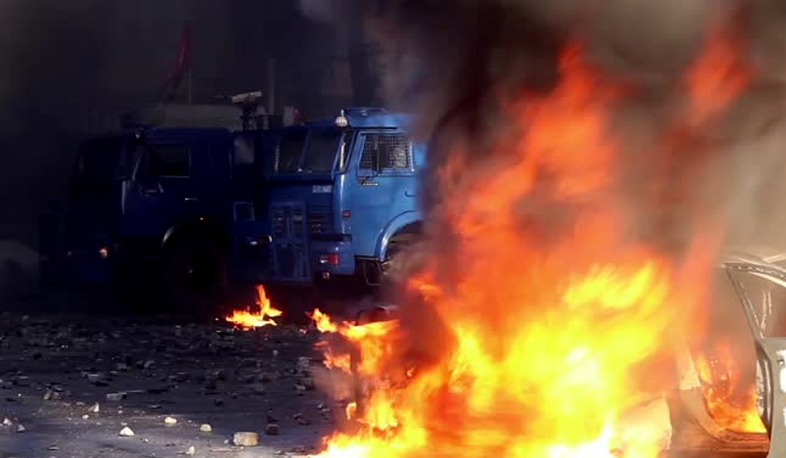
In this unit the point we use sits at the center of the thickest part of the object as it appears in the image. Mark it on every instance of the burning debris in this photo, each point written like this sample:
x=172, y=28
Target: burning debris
x=247, y=319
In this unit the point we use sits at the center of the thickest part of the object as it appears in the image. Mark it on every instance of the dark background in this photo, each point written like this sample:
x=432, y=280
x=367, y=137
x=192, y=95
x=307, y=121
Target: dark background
x=68, y=66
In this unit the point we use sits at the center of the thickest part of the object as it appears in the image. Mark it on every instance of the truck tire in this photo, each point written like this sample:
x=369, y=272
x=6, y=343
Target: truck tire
x=402, y=258
x=194, y=276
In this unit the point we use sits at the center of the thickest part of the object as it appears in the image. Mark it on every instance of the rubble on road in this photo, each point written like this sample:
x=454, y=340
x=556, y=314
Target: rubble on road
x=245, y=439
x=115, y=397
x=209, y=379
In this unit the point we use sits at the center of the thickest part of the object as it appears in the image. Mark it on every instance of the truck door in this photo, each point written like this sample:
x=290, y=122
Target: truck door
x=164, y=188
x=384, y=185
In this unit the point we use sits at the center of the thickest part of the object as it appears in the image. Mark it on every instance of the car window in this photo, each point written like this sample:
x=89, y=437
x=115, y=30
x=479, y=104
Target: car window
x=322, y=148
x=173, y=160
x=386, y=152
x=766, y=293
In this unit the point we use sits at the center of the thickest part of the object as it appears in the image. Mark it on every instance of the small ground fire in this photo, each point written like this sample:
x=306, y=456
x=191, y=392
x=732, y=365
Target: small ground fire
x=248, y=319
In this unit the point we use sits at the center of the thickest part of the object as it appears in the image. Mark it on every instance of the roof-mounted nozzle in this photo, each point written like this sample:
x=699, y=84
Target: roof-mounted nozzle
x=249, y=103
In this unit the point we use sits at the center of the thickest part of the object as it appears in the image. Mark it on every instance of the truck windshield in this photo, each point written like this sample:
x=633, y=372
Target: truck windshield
x=311, y=151
x=99, y=159
x=321, y=152
x=290, y=148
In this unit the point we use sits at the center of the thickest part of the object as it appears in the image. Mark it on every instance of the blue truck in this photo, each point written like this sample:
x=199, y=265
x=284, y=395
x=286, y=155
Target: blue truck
x=340, y=198
x=192, y=208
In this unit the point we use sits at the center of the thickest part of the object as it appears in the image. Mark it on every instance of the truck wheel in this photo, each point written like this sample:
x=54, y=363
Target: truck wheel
x=401, y=258
x=195, y=276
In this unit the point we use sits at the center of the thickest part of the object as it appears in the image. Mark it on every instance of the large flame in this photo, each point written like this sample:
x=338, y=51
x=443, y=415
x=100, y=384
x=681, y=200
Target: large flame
x=560, y=324
x=247, y=319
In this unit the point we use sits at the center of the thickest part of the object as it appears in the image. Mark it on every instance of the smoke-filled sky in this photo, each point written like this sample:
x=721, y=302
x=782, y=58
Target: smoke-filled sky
x=67, y=61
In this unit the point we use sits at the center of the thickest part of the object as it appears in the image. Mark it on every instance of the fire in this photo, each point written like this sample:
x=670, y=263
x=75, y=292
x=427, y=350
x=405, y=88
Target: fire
x=371, y=340
x=247, y=319
x=730, y=401
x=559, y=327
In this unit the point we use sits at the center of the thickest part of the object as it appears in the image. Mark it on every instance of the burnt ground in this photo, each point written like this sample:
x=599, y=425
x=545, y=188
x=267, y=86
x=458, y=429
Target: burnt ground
x=55, y=367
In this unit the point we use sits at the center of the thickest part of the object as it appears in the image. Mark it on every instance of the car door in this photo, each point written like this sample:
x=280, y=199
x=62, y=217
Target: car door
x=762, y=290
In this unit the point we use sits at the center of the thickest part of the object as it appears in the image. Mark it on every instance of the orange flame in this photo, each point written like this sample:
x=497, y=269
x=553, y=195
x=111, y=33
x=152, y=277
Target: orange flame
x=247, y=319
x=560, y=324
x=731, y=404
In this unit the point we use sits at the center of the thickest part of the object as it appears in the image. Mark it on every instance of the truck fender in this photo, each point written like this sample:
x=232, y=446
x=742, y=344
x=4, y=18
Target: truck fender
x=396, y=224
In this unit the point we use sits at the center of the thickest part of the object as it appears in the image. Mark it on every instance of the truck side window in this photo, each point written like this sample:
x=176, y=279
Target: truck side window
x=168, y=161
x=289, y=150
x=386, y=152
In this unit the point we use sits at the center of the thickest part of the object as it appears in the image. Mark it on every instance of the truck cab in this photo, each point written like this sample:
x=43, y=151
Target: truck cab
x=341, y=195
x=148, y=201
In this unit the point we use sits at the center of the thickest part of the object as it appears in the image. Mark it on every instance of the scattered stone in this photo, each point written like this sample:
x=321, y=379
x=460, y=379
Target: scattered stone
x=21, y=428
x=51, y=395
x=95, y=408
x=205, y=428
x=126, y=432
x=53, y=448
x=245, y=439
x=85, y=417
x=191, y=451
x=301, y=420
x=121, y=367
x=148, y=364
x=170, y=421
x=7, y=422
x=22, y=380
x=154, y=406
x=95, y=378
x=115, y=396
x=308, y=383
x=258, y=388
x=272, y=429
